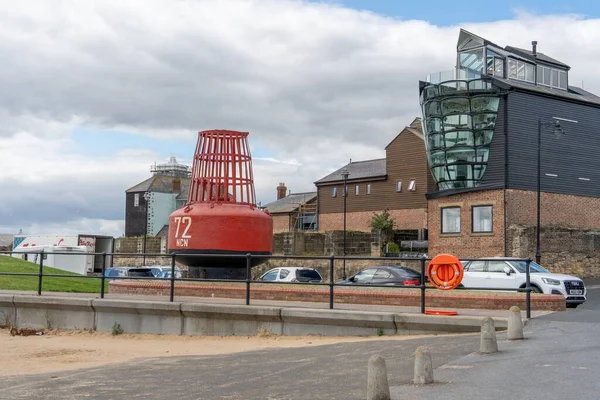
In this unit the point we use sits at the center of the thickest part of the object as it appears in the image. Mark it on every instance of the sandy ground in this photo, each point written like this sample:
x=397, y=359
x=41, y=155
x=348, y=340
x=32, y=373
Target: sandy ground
x=69, y=350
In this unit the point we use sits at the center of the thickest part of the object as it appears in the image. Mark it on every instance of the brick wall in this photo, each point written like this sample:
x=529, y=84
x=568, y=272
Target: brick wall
x=563, y=250
x=322, y=243
x=395, y=296
x=278, y=243
x=466, y=243
x=557, y=210
x=281, y=223
x=361, y=221
x=154, y=244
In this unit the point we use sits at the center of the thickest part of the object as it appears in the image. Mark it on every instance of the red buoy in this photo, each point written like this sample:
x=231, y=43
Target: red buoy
x=221, y=216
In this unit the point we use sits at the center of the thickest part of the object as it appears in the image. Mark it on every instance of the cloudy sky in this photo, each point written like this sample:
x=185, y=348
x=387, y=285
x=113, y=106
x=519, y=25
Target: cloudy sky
x=94, y=92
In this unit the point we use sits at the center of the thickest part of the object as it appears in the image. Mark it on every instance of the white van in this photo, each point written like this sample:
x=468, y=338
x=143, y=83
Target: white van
x=74, y=260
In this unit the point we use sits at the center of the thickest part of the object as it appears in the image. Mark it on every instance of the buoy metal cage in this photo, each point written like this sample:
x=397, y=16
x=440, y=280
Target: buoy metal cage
x=222, y=169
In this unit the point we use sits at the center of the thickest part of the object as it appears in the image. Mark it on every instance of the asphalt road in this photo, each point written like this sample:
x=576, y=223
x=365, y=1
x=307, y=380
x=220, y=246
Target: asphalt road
x=586, y=312
x=323, y=372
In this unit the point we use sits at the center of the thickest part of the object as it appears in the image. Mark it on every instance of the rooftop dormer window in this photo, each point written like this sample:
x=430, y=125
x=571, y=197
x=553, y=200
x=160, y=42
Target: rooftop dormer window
x=553, y=77
x=521, y=70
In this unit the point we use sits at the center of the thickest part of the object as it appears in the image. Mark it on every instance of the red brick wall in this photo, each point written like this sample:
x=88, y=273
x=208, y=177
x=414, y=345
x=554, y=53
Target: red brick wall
x=557, y=210
x=396, y=297
x=361, y=221
x=467, y=244
x=281, y=223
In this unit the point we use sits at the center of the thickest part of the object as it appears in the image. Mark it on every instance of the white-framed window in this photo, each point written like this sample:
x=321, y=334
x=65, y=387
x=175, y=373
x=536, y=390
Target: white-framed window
x=356, y=190
x=482, y=219
x=412, y=186
x=521, y=70
x=136, y=200
x=368, y=188
x=334, y=192
x=398, y=186
x=451, y=220
x=552, y=77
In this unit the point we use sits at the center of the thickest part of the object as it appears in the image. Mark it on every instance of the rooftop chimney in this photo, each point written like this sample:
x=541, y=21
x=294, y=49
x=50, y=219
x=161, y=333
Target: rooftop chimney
x=534, y=48
x=176, y=185
x=281, y=191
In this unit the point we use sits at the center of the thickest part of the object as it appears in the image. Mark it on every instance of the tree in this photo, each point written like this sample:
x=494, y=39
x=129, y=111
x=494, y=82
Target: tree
x=384, y=224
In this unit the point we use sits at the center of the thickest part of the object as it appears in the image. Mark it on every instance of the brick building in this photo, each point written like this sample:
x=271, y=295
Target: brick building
x=293, y=211
x=397, y=183
x=482, y=122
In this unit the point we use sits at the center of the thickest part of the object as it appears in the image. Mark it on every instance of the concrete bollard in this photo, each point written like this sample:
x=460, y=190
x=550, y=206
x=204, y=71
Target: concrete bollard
x=378, y=387
x=488, y=343
x=423, y=366
x=515, y=324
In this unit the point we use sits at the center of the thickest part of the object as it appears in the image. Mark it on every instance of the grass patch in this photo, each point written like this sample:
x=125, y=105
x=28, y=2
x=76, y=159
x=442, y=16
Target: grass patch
x=49, y=284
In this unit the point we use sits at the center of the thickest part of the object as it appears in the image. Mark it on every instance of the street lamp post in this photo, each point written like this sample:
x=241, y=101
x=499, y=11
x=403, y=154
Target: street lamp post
x=345, y=175
x=146, y=198
x=557, y=131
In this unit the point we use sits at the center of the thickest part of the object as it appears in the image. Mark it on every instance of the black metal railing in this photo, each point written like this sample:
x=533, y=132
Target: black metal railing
x=248, y=281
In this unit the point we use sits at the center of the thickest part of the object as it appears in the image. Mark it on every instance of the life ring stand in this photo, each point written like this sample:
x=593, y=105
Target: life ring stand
x=445, y=272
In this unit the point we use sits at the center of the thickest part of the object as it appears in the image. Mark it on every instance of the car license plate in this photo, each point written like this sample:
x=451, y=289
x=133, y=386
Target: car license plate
x=579, y=291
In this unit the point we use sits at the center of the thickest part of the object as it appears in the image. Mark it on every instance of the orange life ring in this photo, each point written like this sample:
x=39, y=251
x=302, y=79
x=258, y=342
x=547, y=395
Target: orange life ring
x=445, y=272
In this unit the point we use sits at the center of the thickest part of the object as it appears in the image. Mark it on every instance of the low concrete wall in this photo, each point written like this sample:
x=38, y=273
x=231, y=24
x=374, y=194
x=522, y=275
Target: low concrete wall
x=135, y=316
x=222, y=320
x=7, y=310
x=302, y=321
x=53, y=312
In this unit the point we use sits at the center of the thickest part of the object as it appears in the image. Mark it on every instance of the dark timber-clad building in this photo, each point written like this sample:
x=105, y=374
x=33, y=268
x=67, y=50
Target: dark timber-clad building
x=480, y=122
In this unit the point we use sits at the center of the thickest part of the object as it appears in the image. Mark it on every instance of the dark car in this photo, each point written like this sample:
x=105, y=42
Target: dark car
x=386, y=275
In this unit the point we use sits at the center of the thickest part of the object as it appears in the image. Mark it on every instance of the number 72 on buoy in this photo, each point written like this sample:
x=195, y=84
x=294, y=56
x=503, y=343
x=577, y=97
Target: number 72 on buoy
x=183, y=225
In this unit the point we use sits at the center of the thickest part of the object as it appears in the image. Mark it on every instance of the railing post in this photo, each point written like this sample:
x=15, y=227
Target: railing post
x=331, y=284
x=528, y=287
x=103, y=277
x=41, y=273
x=248, y=272
x=172, y=293
x=422, y=284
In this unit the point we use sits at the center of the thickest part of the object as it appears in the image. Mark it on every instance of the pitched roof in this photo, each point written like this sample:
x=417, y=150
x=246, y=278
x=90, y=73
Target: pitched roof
x=528, y=54
x=290, y=202
x=358, y=170
x=573, y=93
x=160, y=184
x=164, y=231
x=415, y=128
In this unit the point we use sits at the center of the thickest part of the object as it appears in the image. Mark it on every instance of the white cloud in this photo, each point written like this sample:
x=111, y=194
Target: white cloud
x=314, y=84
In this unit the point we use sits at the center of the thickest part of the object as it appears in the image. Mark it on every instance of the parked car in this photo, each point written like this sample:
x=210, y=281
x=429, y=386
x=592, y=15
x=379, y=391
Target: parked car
x=158, y=270
x=128, y=271
x=167, y=274
x=510, y=274
x=385, y=275
x=292, y=274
